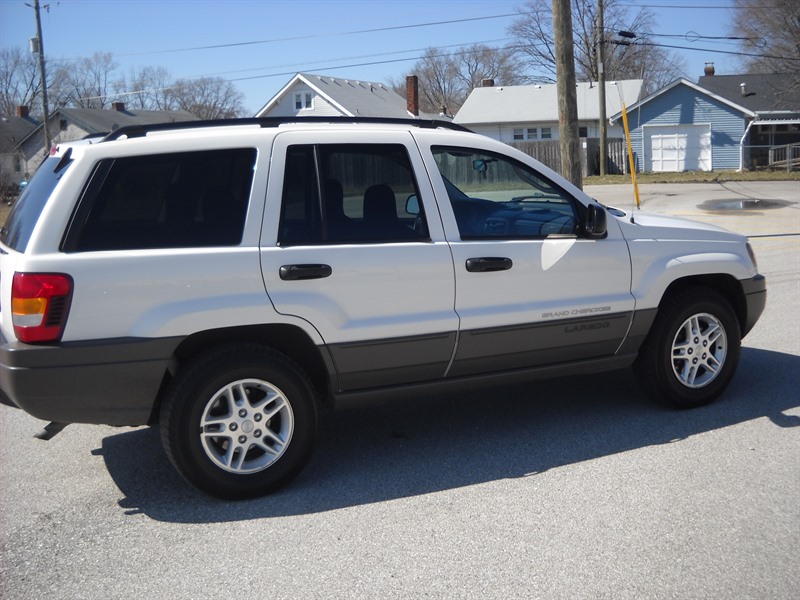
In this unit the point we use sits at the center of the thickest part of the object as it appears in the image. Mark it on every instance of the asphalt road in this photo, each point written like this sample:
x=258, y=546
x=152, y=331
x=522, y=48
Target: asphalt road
x=572, y=488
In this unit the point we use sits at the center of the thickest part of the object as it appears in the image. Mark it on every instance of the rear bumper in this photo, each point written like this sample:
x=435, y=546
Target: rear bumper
x=112, y=382
x=755, y=296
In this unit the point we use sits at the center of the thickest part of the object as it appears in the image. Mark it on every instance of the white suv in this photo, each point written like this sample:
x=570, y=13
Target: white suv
x=227, y=279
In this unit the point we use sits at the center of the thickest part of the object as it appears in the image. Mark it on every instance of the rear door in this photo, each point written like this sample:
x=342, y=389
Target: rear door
x=352, y=242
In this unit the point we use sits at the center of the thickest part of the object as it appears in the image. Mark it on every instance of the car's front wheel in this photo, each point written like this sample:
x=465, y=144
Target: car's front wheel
x=239, y=421
x=692, y=350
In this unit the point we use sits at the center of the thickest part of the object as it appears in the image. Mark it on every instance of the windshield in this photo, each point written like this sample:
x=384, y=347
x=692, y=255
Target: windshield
x=23, y=217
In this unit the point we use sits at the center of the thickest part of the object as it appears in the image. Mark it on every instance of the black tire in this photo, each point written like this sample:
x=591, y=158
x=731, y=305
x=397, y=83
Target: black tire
x=252, y=450
x=687, y=371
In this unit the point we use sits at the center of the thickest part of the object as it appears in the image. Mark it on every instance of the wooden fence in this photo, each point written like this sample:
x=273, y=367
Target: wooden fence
x=549, y=153
x=785, y=157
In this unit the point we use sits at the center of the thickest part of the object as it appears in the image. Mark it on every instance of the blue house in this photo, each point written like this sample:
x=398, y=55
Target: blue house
x=722, y=122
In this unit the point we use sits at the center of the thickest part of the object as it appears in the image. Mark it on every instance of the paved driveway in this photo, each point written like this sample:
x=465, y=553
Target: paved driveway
x=572, y=488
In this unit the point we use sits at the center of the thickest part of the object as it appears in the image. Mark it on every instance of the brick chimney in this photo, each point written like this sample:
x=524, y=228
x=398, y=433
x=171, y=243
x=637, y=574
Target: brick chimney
x=118, y=106
x=412, y=94
x=23, y=111
x=709, y=70
x=487, y=83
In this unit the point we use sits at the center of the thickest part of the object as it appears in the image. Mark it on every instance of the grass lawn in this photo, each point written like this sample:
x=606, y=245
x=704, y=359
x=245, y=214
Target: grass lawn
x=695, y=177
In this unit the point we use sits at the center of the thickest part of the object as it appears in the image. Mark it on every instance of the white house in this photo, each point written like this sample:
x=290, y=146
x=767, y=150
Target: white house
x=530, y=112
x=309, y=95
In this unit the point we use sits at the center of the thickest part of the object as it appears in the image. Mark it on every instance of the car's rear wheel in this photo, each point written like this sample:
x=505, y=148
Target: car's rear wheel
x=692, y=350
x=239, y=421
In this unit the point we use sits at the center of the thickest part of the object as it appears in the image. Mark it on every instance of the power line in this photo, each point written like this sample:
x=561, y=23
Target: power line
x=322, y=35
x=751, y=54
x=315, y=69
x=371, y=54
x=713, y=7
x=419, y=57
x=379, y=62
x=690, y=36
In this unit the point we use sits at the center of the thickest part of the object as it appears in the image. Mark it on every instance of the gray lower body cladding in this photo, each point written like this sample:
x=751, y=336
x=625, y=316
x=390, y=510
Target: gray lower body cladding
x=755, y=296
x=111, y=382
x=117, y=381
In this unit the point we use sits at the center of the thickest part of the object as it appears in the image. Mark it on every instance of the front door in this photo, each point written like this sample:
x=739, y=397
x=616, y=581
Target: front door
x=531, y=288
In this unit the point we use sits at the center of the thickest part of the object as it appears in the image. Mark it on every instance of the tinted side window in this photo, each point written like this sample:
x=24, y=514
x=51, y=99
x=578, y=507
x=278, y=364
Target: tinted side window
x=494, y=196
x=187, y=199
x=301, y=220
x=23, y=217
x=340, y=193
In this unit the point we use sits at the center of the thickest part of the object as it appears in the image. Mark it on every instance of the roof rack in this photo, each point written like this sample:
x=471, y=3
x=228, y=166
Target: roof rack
x=132, y=131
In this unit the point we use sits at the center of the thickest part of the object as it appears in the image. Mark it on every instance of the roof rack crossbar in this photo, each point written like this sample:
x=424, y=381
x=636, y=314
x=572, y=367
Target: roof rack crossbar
x=132, y=131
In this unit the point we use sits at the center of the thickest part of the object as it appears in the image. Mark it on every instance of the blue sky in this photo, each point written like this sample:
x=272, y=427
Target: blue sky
x=262, y=43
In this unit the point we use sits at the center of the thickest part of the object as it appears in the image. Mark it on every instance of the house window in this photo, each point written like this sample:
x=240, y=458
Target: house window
x=62, y=124
x=518, y=135
x=547, y=133
x=303, y=100
x=532, y=133
x=18, y=165
x=583, y=132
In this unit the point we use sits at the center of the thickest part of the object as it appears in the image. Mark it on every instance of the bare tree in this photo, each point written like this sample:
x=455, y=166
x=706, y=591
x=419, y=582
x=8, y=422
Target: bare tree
x=772, y=31
x=533, y=31
x=19, y=81
x=446, y=78
x=478, y=62
x=93, y=82
x=89, y=82
x=438, y=82
x=208, y=98
x=148, y=88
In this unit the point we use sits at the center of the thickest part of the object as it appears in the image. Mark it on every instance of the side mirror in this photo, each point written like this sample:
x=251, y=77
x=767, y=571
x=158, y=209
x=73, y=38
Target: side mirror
x=595, y=225
x=412, y=205
x=479, y=165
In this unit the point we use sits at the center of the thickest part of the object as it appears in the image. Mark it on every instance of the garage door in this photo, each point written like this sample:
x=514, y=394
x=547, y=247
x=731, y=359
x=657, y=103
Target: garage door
x=677, y=148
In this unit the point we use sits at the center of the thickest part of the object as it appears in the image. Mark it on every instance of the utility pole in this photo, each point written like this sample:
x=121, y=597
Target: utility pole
x=601, y=81
x=40, y=49
x=567, y=95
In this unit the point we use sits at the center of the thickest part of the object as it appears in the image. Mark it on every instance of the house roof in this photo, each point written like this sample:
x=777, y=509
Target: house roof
x=762, y=92
x=96, y=120
x=539, y=103
x=100, y=120
x=686, y=83
x=352, y=97
x=13, y=130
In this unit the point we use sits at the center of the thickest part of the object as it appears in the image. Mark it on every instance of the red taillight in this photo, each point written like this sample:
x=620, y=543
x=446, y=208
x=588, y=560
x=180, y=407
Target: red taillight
x=39, y=305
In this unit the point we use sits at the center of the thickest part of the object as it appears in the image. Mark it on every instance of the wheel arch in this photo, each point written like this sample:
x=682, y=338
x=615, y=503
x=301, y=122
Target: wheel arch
x=726, y=285
x=289, y=340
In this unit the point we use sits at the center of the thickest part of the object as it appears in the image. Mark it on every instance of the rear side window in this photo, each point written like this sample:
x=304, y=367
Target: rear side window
x=350, y=193
x=23, y=217
x=187, y=199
